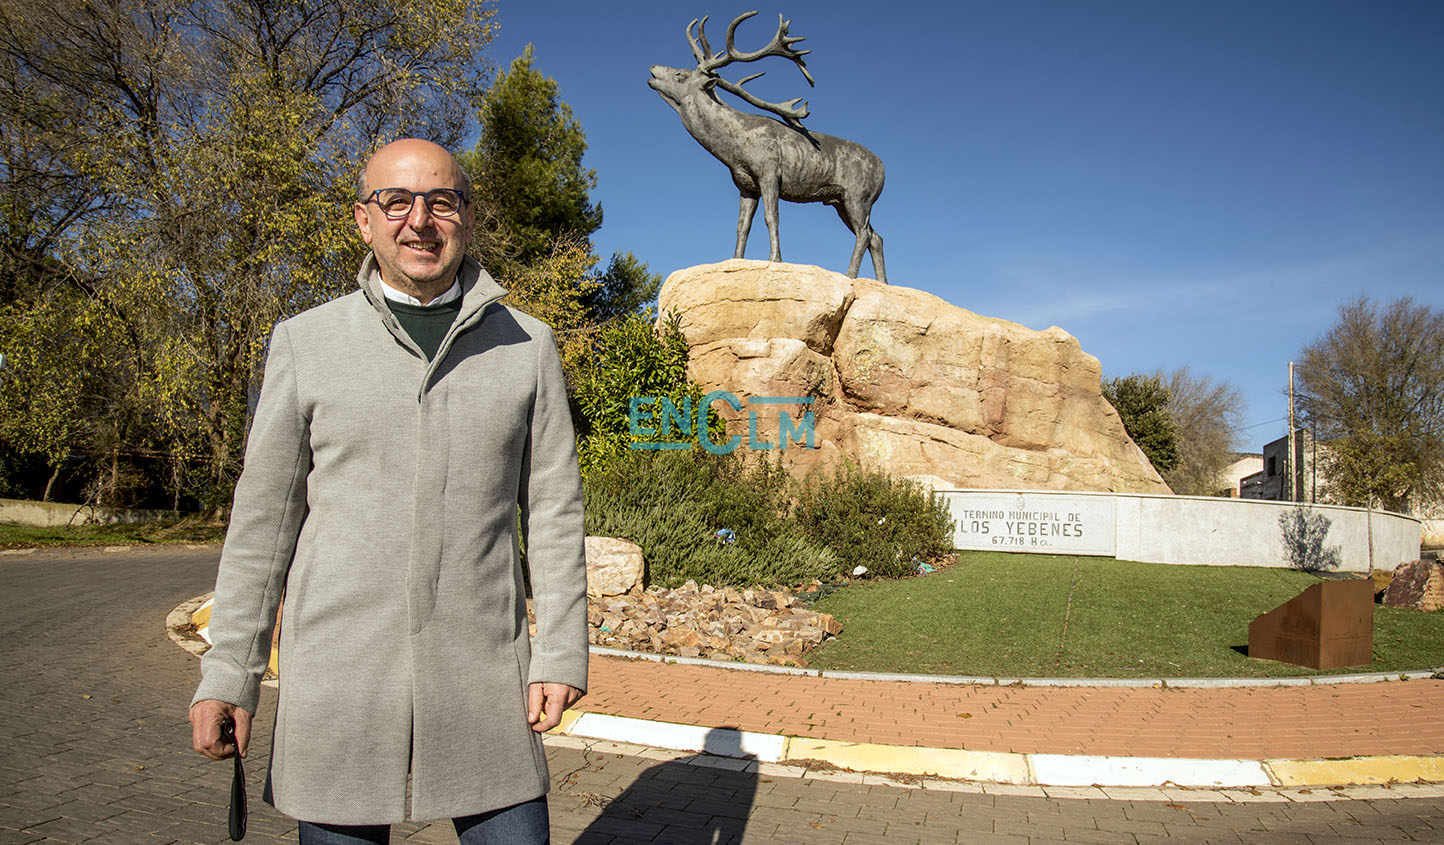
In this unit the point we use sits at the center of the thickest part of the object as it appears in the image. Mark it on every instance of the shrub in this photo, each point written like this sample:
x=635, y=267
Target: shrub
x=630, y=357
x=871, y=519
x=671, y=503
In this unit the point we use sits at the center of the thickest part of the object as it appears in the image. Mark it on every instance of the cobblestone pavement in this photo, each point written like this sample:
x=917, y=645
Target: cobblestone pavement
x=94, y=747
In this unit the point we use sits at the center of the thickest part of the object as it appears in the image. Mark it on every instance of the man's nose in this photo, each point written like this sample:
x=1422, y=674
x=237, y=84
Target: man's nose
x=420, y=216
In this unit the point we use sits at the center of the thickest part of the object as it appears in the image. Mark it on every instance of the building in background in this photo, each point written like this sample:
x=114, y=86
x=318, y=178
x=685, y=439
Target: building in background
x=1271, y=482
x=1230, y=480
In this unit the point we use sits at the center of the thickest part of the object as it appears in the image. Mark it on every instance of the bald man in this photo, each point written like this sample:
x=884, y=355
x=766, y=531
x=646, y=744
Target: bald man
x=400, y=430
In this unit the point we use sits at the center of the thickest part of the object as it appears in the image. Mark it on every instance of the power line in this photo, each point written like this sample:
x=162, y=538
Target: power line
x=1265, y=422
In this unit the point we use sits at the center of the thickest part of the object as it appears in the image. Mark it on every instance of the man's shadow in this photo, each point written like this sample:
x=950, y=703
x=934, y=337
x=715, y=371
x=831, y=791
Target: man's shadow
x=700, y=798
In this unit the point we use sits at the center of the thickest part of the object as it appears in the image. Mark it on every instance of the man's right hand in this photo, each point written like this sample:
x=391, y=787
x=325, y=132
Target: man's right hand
x=207, y=716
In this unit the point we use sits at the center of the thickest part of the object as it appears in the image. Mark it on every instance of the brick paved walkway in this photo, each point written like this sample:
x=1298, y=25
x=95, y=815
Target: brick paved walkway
x=1337, y=720
x=94, y=746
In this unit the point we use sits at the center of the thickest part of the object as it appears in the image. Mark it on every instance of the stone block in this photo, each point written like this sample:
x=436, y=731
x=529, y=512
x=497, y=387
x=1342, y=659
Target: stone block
x=614, y=566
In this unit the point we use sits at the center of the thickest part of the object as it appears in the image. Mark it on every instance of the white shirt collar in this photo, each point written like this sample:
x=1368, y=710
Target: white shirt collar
x=397, y=296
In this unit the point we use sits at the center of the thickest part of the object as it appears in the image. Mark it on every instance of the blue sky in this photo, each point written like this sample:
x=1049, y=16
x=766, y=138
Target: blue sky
x=1174, y=183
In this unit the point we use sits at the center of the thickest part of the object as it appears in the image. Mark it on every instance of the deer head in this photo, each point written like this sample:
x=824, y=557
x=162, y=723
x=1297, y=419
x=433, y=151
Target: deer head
x=675, y=85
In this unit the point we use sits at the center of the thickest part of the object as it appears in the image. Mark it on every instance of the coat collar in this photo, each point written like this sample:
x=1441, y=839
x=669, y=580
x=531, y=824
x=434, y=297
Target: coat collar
x=478, y=290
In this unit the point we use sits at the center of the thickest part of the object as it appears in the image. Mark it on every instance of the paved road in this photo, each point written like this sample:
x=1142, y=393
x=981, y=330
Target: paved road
x=94, y=746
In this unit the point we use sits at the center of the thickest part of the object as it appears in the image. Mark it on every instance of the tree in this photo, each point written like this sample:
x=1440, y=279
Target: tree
x=532, y=193
x=1205, y=416
x=1142, y=403
x=1372, y=388
x=625, y=287
x=527, y=165
x=178, y=173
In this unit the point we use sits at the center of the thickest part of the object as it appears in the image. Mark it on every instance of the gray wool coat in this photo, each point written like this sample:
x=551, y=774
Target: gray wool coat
x=381, y=493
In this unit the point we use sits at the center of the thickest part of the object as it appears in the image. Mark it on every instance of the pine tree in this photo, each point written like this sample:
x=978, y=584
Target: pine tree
x=527, y=166
x=1142, y=402
x=533, y=203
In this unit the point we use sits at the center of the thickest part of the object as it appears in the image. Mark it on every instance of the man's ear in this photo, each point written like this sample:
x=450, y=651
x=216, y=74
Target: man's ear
x=363, y=221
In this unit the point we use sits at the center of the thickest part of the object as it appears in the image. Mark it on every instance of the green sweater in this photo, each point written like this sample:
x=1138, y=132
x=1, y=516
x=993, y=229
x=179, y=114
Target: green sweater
x=426, y=324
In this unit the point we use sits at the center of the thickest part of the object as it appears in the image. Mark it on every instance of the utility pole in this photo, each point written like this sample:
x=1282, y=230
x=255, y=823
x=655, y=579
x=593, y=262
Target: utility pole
x=1313, y=464
x=1293, y=470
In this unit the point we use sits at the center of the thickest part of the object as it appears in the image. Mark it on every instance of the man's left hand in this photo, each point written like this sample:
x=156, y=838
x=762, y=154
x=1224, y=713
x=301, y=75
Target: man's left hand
x=545, y=703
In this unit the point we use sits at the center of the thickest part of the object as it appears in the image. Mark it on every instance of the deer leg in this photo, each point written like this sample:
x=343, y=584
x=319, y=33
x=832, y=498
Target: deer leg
x=862, y=233
x=744, y=223
x=875, y=249
x=770, y=190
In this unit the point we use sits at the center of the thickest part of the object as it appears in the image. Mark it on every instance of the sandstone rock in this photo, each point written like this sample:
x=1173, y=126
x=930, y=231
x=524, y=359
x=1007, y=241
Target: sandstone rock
x=902, y=380
x=1417, y=586
x=614, y=566
x=811, y=635
x=681, y=638
x=771, y=636
x=757, y=299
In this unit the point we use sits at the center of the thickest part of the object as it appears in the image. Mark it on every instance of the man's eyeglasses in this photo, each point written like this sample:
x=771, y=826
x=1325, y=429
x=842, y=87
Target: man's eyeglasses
x=396, y=203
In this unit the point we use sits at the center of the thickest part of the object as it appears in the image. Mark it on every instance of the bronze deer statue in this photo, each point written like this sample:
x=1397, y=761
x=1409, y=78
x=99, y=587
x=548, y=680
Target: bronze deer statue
x=772, y=159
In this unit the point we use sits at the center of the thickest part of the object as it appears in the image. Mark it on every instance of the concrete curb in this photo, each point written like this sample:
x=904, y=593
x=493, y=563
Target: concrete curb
x=812, y=770
x=963, y=680
x=1005, y=768
x=181, y=627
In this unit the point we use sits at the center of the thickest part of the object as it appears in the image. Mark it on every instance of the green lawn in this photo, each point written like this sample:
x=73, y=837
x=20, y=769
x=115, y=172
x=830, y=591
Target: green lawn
x=995, y=614
x=191, y=530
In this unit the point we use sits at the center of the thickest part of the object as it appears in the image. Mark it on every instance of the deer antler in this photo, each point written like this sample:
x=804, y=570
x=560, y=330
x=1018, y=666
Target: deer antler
x=701, y=52
x=780, y=45
x=792, y=111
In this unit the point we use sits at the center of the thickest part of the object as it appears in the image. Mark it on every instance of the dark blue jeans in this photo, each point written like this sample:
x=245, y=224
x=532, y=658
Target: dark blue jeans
x=523, y=824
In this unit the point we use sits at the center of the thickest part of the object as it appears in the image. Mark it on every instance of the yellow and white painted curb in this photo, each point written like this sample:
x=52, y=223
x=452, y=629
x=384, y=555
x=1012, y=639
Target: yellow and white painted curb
x=195, y=616
x=1056, y=771
x=1361, y=770
x=1167, y=793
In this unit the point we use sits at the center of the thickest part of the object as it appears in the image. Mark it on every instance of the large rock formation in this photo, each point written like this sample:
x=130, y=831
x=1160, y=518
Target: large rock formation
x=903, y=381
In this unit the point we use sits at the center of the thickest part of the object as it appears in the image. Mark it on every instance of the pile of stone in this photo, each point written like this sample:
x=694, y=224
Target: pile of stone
x=753, y=625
